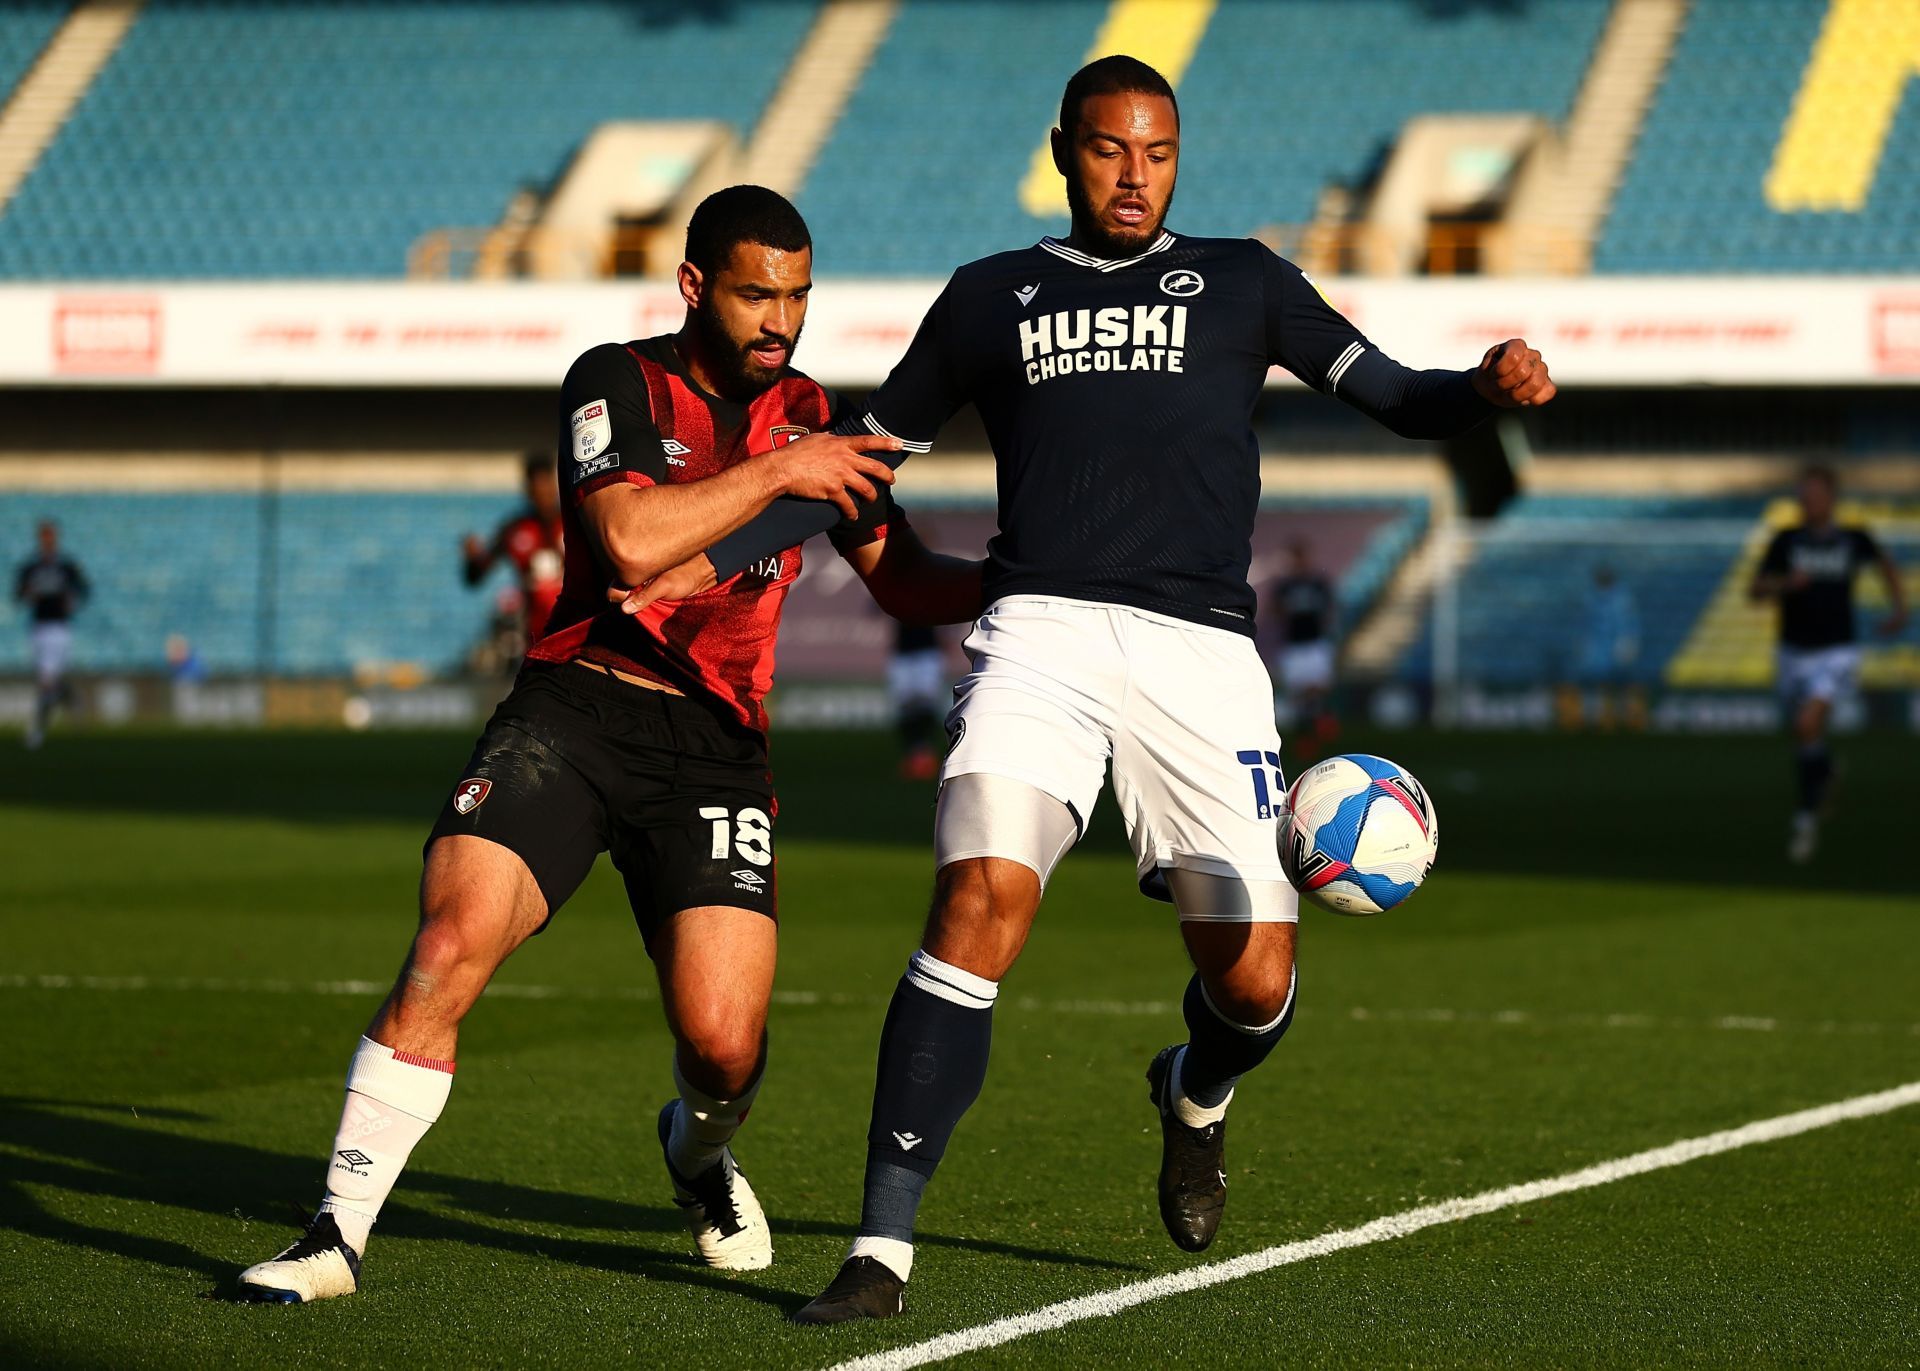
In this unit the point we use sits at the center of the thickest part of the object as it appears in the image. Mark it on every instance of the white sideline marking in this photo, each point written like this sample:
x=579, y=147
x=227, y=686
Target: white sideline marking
x=507, y=990
x=1110, y=1302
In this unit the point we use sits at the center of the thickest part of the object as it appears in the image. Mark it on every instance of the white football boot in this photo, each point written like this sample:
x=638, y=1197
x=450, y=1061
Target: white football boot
x=729, y=1228
x=318, y=1267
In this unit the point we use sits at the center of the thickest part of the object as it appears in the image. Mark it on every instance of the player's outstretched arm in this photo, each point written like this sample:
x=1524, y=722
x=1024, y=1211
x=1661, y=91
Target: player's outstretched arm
x=919, y=395
x=641, y=531
x=915, y=584
x=1313, y=340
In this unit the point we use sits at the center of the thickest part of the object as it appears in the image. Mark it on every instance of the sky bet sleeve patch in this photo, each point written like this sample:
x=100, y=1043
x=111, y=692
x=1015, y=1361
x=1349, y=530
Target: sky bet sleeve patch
x=592, y=431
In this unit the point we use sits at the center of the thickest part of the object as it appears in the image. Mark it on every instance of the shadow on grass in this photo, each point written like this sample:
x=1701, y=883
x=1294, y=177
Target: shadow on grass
x=112, y=1151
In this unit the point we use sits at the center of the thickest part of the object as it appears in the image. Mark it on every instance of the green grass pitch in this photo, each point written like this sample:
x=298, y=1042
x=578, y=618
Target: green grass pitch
x=1612, y=955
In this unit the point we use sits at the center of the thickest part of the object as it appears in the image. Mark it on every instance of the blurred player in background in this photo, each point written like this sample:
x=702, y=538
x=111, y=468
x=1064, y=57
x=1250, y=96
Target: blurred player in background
x=53, y=588
x=1809, y=569
x=1609, y=652
x=531, y=539
x=1306, y=611
x=1115, y=371
x=918, y=689
x=642, y=734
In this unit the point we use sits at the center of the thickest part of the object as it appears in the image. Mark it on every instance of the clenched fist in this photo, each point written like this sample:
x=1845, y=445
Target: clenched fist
x=1512, y=375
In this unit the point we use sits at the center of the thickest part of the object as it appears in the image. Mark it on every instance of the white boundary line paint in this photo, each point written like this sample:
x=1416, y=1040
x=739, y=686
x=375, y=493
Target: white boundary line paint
x=506, y=990
x=1385, y=1229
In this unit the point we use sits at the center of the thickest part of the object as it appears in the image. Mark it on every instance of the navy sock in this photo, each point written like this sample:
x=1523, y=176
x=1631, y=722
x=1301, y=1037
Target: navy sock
x=1219, y=1051
x=1814, y=769
x=933, y=1061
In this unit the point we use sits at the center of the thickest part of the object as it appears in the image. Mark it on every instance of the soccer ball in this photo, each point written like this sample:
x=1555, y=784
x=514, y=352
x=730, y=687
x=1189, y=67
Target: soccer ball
x=1357, y=834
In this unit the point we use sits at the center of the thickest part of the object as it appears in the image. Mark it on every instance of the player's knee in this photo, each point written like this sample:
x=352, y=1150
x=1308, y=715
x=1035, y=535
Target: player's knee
x=1255, y=997
x=459, y=935
x=720, y=1055
x=1246, y=968
x=982, y=911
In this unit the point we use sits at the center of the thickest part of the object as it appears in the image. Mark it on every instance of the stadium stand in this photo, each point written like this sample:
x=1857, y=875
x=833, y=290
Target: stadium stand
x=305, y=140
x=1695, y=196
x=25, y=27
x=1267, y=134
x=321, y=580
x=1533, y=566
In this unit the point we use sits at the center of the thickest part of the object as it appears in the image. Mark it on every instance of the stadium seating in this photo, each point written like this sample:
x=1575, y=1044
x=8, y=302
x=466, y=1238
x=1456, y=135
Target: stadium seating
x=1521, y=597
x=25, y=27
x=228, y=139
x=1279, y=100
x=318, y=583
x=1694, y=198
x=327, y=581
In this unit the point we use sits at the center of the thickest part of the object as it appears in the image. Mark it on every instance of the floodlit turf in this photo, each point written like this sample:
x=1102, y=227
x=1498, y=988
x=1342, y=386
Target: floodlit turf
x=1612, y=956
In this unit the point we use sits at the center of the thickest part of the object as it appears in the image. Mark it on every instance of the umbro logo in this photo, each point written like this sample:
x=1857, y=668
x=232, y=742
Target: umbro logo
x=1182, y=282
x=752, y=880
x=1026, y=293
x=353, y=1157
x=675, y=451
x=907, y=1141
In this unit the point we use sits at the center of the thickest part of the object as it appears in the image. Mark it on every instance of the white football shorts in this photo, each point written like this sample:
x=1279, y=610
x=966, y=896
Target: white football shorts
x=1305, y=666
x=1826, y=674
x=917, y=678
x=1183, y=711
x=52, y=645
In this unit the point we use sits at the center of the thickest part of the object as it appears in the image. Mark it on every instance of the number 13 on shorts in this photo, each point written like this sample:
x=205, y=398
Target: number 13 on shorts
x=749, y=833
x=1265, y=797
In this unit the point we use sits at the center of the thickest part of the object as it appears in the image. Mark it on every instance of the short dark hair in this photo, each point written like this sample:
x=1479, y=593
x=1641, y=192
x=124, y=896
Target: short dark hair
x=743, y=214
x=537, y=463
x=1824, y=474
x=1114, y=75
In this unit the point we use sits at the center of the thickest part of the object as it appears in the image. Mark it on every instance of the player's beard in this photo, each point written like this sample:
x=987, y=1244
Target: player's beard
x=1097, y=239
x=732, y=359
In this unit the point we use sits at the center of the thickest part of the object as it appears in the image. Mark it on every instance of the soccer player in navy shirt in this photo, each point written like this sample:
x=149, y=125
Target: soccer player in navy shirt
x=1116, y=372
x=1809, y=570
x=53, y=588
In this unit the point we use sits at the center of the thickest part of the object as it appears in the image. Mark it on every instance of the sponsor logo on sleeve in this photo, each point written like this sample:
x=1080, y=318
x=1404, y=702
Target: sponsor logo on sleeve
x=592, y=431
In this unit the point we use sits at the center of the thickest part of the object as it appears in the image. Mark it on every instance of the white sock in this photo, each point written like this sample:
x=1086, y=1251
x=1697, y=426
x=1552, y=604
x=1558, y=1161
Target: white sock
x=703, y=1125
x=891, y=1253
x=393, y=1098
x=1184, y=1109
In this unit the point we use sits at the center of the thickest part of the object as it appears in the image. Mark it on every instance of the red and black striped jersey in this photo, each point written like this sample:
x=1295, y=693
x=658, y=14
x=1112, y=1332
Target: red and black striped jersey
x=633, y=413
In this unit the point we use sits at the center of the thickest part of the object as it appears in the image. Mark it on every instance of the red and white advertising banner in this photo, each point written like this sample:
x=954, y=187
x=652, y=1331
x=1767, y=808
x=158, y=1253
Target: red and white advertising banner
x=1599, y=330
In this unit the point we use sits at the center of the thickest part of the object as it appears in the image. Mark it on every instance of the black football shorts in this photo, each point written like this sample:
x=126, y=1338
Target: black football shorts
x=575, y=763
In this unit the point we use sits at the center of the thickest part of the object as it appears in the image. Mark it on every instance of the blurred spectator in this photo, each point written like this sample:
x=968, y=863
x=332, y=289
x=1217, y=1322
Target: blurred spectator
x=183, y=662
x=1608, y=654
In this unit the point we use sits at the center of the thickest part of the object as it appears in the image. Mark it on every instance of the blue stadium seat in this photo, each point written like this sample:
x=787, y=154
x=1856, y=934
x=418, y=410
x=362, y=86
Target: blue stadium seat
x=1516, y=593
x=334, y=580
x=1693, y=198
x=1279, y=100
x=321, y=140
